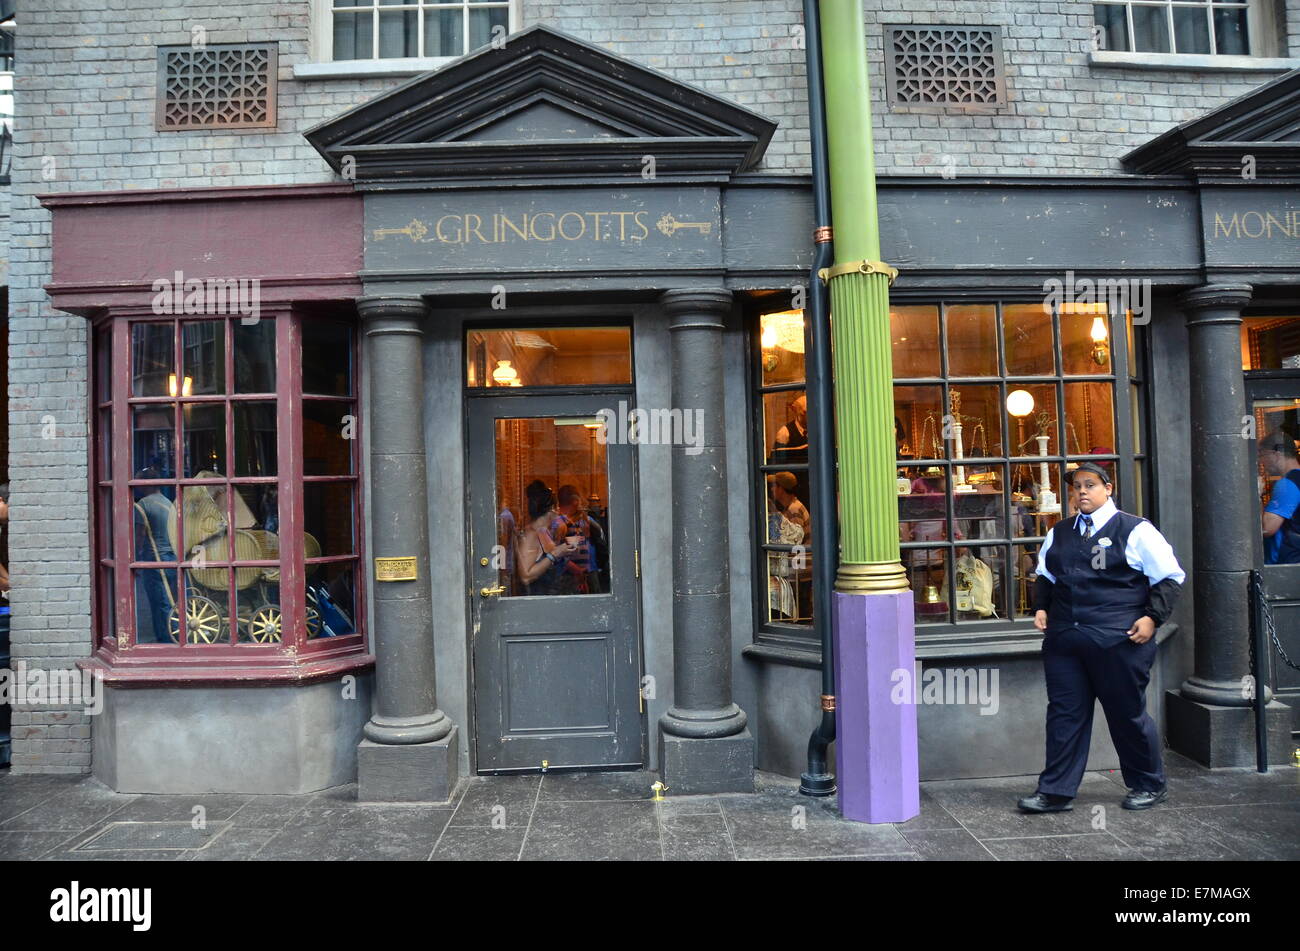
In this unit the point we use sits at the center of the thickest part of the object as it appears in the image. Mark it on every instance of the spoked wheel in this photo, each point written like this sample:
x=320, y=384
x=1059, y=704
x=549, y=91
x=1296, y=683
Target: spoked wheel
x=203, y=624
x=314, y=622
x=264, y=627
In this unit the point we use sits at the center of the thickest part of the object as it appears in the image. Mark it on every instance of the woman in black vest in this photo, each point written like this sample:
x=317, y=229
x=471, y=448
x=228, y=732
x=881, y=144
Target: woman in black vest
x=1106, y=581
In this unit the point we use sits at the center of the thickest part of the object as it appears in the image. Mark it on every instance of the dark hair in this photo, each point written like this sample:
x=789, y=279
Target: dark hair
x=540, y=498
x=568, y=494
x=1095, y=469
x=1279, y=441
x=4, y=492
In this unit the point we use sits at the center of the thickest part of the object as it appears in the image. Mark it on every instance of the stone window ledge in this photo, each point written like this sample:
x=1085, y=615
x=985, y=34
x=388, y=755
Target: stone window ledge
x=119, y=672
x=370, y=68
x=1195, y=63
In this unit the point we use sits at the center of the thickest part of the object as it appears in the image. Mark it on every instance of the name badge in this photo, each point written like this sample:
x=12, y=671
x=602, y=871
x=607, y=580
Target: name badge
x=1103, y=542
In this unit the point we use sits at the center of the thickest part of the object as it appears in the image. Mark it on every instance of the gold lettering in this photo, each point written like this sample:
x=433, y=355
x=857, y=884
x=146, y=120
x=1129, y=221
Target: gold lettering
x=596, y=228
x=437, y=229
x=622, y=224
x=1221, y=229
x=532, y=227
x=507, y=223
x=582, y=226
x=473, y=229
x=645, y=232
x=1259, y=218
x=1272, y=220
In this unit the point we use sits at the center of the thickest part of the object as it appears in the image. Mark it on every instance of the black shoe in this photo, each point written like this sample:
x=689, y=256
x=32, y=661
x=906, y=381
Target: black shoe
x=1045, y=802
x=1145, y=798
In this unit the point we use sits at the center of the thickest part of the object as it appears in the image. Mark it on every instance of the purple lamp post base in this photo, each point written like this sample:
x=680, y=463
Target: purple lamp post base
x=876, y=758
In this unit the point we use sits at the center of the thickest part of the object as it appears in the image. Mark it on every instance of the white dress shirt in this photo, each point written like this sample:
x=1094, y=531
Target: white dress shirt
x=1146, y=551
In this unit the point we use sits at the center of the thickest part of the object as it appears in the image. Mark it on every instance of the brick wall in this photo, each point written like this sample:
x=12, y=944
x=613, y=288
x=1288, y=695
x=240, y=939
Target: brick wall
x=85, y=107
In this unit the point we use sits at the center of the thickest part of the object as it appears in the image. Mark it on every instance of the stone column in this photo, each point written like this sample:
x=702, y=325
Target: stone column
x=409, y=750
x=1209, y=717
x=704, y=745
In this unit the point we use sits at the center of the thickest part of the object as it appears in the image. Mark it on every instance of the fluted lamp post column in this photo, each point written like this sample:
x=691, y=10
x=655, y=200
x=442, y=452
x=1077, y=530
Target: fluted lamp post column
x=704, y=743
x=876, y=738
x=1209, y=716
x=409, y=752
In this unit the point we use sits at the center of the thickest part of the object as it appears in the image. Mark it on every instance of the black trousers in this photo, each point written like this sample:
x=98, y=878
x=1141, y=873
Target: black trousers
x=1079, y=671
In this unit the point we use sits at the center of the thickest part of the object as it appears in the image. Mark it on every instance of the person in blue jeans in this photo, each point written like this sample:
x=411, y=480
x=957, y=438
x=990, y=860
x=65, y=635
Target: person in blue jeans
x=1277, y=454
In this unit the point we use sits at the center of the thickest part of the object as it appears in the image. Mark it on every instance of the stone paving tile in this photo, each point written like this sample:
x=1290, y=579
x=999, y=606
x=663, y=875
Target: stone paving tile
x=497, y=799
x=933, y=817
x=1166, y=833
x=780, y=835
x=20, y=793
x=697, y=838
x=30, y=844
x=77, y=807
x=987, y=807
x=581, y=846
x=478, y=844
x=1265, y=831
x=339, y=831
x=1089, y=847
x=148, y=808
x=954, y=845
x=236, y=845
x=269, y=812
x=582, y=787
x=689, y=806
x=636, y=819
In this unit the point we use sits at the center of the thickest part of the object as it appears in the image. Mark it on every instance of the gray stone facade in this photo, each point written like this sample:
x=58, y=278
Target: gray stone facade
x=85, y=85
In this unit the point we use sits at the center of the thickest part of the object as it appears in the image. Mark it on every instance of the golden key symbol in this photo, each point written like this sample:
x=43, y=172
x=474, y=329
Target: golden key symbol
x=670, y=225
x=416, y=230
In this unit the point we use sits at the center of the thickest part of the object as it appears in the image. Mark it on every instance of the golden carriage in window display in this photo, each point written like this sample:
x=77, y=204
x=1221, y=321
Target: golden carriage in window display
x=257, y=615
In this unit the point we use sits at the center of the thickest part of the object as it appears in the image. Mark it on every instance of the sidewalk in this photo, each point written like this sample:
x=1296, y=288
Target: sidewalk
x=1230, y=815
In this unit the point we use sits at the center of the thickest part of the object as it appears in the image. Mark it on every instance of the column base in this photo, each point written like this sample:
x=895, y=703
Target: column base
x=398, y=731
x=691, y=766
x=877, y=762
x=1224, y=736
x=410, y=772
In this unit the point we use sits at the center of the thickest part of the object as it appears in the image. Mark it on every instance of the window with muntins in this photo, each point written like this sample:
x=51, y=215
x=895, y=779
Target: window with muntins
x=227, y=505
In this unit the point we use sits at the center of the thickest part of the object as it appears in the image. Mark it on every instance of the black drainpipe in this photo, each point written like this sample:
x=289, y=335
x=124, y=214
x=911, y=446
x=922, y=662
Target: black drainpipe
x=818, y=780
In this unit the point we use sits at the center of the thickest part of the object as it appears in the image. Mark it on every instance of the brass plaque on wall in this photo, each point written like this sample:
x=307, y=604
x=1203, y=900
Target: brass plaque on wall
x=395, y=569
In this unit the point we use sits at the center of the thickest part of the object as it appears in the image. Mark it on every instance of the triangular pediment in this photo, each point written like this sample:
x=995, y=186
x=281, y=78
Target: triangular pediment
x=1264, y=124
x=543, y=104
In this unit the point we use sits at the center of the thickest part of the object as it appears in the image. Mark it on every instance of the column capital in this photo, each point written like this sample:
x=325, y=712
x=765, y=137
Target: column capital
x=696, y=307
x=1228, y=299
x=392, y=314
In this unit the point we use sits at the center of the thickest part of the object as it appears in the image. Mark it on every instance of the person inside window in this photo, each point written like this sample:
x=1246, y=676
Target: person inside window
x=154, y=527
x=538, y=556
x=791, y=445
x=1277, y=454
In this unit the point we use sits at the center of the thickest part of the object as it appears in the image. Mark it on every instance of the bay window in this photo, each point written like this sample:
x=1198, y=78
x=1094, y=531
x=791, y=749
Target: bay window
x=226, y=501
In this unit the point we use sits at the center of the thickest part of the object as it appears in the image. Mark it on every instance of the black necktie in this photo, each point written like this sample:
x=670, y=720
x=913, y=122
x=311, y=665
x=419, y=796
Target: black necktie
x=1087, y=525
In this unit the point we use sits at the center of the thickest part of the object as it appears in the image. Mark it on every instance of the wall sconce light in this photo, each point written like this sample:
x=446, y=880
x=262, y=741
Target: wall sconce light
x=505, y=374
x=187, y=387
x=1100, y=350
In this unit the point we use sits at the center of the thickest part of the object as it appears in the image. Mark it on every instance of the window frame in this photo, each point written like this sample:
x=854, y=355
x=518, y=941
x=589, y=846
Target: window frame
x=1263, y=39
x=295, y=657
x=1129, y=364
x=323, y=65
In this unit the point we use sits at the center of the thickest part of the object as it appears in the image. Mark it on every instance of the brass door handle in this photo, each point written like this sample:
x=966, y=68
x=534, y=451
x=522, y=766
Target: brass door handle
x=490, y=592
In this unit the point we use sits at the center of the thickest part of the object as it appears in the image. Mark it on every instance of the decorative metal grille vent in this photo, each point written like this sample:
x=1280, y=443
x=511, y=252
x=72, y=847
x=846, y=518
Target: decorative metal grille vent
x=944, y=69
x=216, y=86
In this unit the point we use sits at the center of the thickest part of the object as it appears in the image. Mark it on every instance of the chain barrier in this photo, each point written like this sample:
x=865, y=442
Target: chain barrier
x=1257, y=583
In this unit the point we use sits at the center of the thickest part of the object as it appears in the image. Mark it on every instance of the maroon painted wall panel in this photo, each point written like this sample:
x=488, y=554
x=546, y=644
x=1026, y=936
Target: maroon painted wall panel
x=131, y=239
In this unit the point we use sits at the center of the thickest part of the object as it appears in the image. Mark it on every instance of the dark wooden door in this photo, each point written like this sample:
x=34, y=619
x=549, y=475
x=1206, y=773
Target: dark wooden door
x=556, y=660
